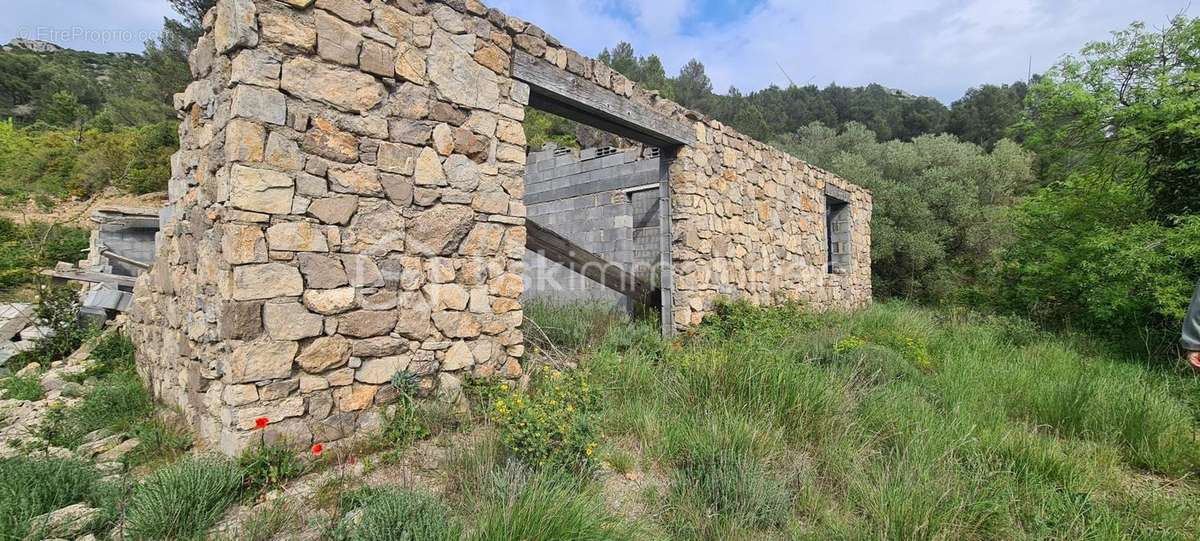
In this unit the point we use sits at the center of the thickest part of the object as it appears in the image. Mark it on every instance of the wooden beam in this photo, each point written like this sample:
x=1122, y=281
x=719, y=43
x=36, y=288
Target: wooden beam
x=558, y=249
x=91, y=277
x=560, y=92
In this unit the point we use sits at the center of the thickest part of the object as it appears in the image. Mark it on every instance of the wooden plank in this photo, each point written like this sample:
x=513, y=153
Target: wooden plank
x=16, y=324
x=91, y=277
x=565, y=94
x=558, y=249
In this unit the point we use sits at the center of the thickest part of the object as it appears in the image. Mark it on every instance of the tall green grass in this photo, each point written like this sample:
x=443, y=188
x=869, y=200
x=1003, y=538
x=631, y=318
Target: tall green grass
x=901, y=423
x=32, y=486
x=184, y=500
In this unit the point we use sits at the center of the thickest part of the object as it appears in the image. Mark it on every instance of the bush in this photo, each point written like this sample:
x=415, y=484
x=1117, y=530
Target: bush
x=389, y=514
x=58, y=311
x=184, y=500
x=119, y=402
x=31, y=487
x=269, y=465
x=548, y=427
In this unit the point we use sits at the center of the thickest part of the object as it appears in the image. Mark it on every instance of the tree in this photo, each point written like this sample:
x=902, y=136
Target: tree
x=939, y=217
x=693, y=88
x=987, y=113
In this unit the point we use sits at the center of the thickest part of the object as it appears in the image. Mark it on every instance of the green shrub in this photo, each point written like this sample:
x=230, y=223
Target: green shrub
x=549, y=426
x=23, y=388
x=24, y=249
x=268, y=465
x=184, y=500
x=30, y=487
x=388, y=514
x=159, y=439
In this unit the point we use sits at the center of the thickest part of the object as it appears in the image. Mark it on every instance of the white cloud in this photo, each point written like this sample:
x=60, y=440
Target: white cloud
x=930, y=47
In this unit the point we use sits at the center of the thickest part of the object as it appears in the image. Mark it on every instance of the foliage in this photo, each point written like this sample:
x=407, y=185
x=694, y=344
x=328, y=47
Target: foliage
x=269, y=465
x=23, y=388
x=1110, y=244
x=383, y=514
x=43, y=161
x=840, y=429
x=940, y=213
x=543, y=506
x=34, y=486
x=27, y=248
x=184, y=500
x=548, y=427
x=567, y=327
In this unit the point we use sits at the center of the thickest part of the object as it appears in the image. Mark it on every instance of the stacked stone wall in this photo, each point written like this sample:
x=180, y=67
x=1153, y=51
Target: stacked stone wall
x=346, y=206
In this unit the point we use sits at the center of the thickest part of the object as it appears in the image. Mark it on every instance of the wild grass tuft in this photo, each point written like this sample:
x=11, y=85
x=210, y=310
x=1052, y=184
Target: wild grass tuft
x=32, y=486
x=23, y=388
x=184, y=500
x=385, y=514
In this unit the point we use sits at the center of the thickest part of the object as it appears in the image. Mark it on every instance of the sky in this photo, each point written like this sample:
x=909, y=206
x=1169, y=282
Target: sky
x=937, y=48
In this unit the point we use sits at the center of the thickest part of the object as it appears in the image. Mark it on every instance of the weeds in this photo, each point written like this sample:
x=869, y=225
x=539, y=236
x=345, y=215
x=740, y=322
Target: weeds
x=31, y=487
x=387, y=514
x=23, y=388
x=268, y=465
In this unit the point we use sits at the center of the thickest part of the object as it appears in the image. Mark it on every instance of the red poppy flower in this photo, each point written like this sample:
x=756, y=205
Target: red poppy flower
x=261, y=423
x=316, y=450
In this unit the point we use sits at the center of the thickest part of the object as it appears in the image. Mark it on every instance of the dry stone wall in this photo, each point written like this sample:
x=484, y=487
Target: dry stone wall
x=346, y=206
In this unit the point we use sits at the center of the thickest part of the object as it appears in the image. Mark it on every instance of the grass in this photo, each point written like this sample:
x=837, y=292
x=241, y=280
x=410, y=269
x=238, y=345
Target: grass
x=269, y=465
x=901, y=423
x=23, y=388
x=184, y=500
x=384, y=514
x=30, y=487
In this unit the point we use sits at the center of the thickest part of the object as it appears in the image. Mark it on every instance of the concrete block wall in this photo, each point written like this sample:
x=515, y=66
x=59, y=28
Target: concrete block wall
x=582, y=196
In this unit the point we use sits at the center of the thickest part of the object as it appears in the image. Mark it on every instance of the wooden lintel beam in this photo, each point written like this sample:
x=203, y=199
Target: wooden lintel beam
x=568, y=95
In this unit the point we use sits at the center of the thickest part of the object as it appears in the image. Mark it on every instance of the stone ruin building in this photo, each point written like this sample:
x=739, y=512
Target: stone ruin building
x=354, y=199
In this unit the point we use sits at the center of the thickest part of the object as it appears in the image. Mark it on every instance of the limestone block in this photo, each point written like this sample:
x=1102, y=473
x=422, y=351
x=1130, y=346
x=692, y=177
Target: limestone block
x=399, y=189
x=345, y=89
x=244, y=141
x=287, y=29
x=377, y=58
x=283, y=153
x=413, y=316
x=256, y=67
x=428, y=169
x=355, y=397
x=260, y=360
x=266, y=281
x=274, y=412
x=297, y=237
x=458, y=357
x=354, y=11
x=309, y=384
x=457, y=324
x=360, y=179
x=508, y=285
x=377, y=229
x=379, y=371
x=399, y=158
x=330, y=302
x=260, y=190
x=446, y=296
x=324, y=354
x=240, y=395
x=291, y=321
x=240, y=320
x=326, y=141
x=457, y=76
x=262, y=104
x=242, y=244
x=334, y=210
x=337, y=41
x=439, y=230
x=367, y=323
x=235, y=25
x=379, y=346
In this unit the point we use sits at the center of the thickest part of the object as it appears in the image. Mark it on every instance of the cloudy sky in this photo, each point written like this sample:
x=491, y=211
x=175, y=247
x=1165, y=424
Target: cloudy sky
x=937, y=48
